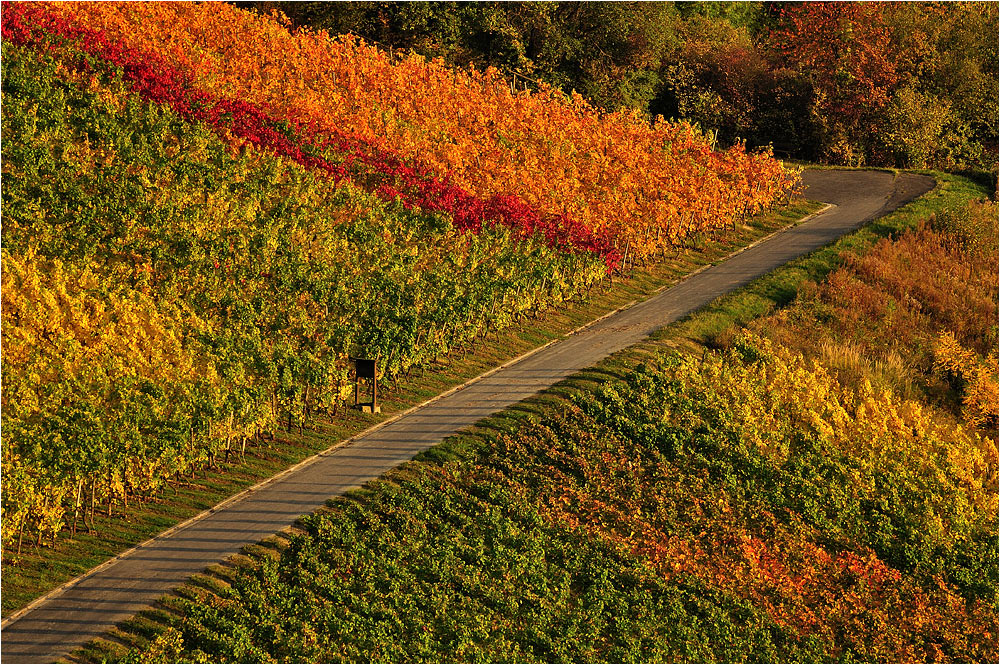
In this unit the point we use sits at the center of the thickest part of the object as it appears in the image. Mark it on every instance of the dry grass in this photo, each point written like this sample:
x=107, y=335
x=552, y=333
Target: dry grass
x=886, y=370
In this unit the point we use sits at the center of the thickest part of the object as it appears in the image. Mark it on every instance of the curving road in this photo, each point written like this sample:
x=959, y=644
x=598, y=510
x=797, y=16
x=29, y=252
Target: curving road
x=93, y=603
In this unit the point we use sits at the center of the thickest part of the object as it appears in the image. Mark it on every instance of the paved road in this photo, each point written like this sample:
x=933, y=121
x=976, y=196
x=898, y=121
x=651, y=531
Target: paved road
x=99, y=600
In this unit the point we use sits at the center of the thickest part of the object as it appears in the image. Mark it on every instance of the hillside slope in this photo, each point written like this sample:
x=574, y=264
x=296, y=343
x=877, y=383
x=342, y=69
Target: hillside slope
x=748, y=504
x=206, y=216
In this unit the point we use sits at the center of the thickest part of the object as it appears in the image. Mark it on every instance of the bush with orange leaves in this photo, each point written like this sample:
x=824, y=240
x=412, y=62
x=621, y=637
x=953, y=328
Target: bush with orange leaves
x=974, y=378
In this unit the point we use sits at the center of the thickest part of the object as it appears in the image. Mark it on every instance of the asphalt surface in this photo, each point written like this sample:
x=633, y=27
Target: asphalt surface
x=95, y=602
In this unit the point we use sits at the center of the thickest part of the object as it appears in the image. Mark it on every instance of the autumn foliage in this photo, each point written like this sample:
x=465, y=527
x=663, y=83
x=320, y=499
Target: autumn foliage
x=916, y=314
x=645, y=187
x=206, y=215
x=850, y=50
x=743, y=506
x=908, y=84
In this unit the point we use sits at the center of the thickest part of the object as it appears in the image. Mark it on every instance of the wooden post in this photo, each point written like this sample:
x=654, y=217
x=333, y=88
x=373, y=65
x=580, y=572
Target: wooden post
x=366, y=368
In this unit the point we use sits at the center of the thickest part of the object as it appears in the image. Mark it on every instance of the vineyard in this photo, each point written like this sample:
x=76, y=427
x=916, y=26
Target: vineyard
x=741, y=506
x=205, y=214
x=777, y=499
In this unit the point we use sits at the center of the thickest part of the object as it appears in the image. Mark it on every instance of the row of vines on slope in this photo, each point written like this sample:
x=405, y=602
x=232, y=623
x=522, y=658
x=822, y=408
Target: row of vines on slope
x=338, y=155
x=615, y=176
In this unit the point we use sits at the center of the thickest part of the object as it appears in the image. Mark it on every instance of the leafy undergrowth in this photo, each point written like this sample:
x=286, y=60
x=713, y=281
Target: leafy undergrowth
x=917, y=314
x=745, y=504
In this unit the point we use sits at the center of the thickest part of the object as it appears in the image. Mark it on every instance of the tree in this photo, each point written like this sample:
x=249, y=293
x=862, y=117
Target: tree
x=847, y=52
